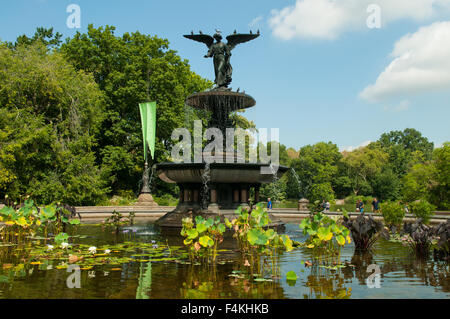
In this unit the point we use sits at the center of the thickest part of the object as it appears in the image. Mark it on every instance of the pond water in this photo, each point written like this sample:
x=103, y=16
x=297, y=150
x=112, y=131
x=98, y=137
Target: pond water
x=150, y=264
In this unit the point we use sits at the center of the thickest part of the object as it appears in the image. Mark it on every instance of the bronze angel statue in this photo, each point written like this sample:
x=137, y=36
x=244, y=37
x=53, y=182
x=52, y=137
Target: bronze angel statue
x=221, y=52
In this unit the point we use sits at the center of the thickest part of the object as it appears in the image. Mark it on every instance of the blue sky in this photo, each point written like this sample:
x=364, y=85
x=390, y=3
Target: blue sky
x=317, y=72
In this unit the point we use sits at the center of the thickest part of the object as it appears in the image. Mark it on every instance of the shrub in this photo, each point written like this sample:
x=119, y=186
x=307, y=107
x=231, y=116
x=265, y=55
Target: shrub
x=393, y=213
x=422, y=209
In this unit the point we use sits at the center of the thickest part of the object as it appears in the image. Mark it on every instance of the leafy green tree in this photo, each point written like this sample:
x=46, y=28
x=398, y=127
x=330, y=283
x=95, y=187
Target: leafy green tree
x=50, y=114
x=131, y=69
x=386, y=185
x=400, y=145
x=419, y=182
x=42, y=35
x=363, y=164
x=441, y=191
x=317, y=165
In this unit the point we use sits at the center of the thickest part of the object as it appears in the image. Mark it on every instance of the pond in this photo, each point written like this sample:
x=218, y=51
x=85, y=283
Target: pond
x=145, y=263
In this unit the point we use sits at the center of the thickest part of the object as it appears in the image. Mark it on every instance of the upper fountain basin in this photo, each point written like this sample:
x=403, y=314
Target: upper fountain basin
x=227, y=100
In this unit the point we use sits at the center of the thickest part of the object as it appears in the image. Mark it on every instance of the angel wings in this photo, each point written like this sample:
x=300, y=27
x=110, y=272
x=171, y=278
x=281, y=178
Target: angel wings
x=221, y=52
x=233, y=39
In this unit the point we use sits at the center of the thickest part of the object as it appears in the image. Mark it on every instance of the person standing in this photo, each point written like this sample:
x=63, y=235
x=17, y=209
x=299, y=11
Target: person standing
x=361, y=207
x=327, y=206
x=357, y=205
x=375, y=205
x=269, y=203
x=324, y=206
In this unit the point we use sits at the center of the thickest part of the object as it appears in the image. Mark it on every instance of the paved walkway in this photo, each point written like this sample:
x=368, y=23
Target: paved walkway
x=285, y=214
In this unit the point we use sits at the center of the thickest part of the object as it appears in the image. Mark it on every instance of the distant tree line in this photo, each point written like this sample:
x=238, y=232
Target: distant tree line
x=400, y=166
x=70, y=128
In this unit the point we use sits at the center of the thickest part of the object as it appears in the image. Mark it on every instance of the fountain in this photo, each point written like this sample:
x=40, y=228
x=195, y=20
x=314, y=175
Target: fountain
x=217, y=189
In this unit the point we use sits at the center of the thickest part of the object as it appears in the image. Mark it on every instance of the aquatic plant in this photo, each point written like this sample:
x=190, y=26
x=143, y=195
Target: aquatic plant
x=441, y=249
x=258, y=243
x=365, y=230
x=117, y=220
x=419, y=237
x=325, y=236
x=23, y=221
x=203, y=237
x=393, y=214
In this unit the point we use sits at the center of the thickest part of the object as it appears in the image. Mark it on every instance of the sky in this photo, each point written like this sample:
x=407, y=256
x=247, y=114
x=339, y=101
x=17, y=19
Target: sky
x=344, y=71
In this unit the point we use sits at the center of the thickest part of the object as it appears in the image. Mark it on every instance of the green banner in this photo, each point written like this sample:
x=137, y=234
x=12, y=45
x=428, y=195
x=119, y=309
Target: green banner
x=148, y=119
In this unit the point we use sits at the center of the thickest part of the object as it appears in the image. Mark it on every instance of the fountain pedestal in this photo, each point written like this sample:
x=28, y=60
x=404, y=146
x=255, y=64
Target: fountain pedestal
x=216, y=189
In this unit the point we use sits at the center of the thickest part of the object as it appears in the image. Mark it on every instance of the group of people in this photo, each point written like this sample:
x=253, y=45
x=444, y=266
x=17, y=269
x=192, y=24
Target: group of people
x=359, y=206
x=375, y=206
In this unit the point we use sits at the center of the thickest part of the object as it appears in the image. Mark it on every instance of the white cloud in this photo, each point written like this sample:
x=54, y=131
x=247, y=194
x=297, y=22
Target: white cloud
x=421, y=64
x=255, y=22
x=402, y=106
x=328, y=19
x=353, y=148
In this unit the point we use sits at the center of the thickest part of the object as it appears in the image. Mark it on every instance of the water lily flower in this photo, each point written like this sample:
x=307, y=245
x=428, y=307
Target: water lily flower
x=107, y=251
x=155, y=246
x=125, y=231
x=93, y=250
x=50, y=247
x=64, y=245
x=153, y=242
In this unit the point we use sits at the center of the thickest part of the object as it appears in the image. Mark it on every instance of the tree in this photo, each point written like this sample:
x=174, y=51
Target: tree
x=317, y=165
x=42, y=35
x=441, y=158
x=430, y=180
x=419, y=182
x=132, y=69
x=363, y=164
x=400, y=145
x=49, y=117
x=386, y=185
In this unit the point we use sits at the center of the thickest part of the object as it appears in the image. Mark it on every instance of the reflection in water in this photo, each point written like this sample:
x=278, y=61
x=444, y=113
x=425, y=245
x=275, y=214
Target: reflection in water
x=326, y=284
x=145, y=281
x=402, y=274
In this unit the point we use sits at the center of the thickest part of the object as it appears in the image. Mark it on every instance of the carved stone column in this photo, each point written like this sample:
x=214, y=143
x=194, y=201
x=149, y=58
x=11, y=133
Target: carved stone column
x=213, y=206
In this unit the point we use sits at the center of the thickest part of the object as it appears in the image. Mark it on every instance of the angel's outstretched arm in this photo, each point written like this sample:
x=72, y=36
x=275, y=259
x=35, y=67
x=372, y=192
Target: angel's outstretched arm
x=210, y=53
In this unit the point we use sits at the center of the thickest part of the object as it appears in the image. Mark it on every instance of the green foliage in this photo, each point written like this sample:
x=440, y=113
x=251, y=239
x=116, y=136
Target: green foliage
x=393, y=213
x=320, y=192
x=363, y=164
x=202, y=238
x=23, y=222
x=130, y=69
x=255, y=239
x=116, y=220
x=317, y=167
x=276, y=191
x=291, y=276
x=430, y=180
x=422, y=209
x=49, y=116
x=325, y=236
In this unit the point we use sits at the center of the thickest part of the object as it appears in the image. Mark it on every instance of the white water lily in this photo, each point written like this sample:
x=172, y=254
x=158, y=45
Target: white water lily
x=50, y=247
x=107, y=251
x=93, y=250
x=64, y=245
